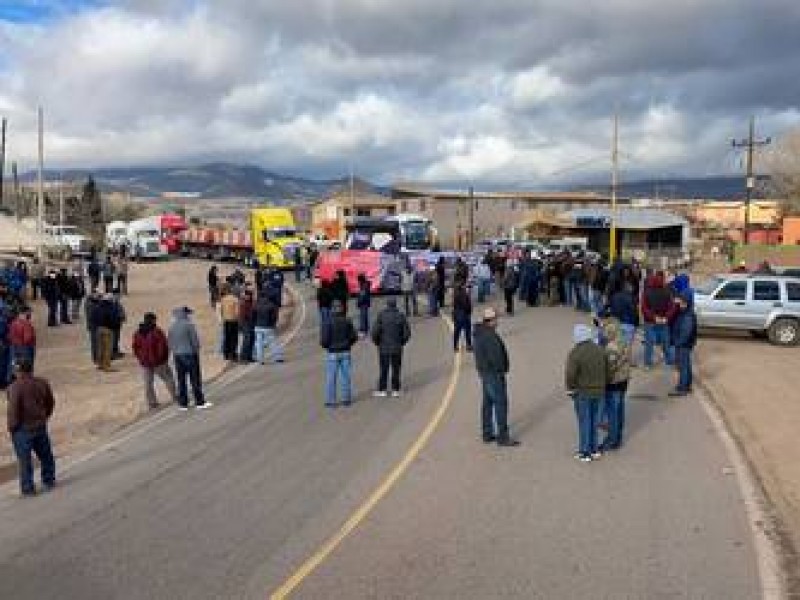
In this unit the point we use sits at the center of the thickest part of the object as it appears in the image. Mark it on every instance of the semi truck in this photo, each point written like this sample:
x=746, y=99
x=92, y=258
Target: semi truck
x=379, y=248
x=271, y=239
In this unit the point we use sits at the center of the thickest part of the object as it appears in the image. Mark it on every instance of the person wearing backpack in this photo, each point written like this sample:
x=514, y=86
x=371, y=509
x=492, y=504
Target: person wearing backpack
x=619, y=372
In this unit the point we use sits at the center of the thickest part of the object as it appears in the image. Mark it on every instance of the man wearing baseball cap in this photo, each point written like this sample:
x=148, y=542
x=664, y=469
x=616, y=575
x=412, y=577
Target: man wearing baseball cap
x=491, y=361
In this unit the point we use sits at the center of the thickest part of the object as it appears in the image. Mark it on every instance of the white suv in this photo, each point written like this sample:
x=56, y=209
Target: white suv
x=762, y=304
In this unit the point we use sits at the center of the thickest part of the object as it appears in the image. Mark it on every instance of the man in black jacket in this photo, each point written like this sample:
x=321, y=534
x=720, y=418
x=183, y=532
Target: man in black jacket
x=390, y=332
x=338, y=336
x=491, y=361
x=107, y=319
x=462, y=316
x=265, y=321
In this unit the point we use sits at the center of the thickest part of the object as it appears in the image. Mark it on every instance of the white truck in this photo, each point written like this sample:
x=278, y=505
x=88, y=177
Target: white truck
x=143, y=239
x=116, y=235
x=70, y=237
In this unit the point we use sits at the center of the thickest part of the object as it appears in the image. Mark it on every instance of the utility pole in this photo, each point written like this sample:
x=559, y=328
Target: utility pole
x=40, y=204
x=15, y=179
x=750, y=181
x=2, y=158
x=612, y=237
x=471, y=219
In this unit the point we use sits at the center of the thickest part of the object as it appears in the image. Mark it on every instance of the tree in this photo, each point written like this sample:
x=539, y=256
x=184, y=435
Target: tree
x=782, y=162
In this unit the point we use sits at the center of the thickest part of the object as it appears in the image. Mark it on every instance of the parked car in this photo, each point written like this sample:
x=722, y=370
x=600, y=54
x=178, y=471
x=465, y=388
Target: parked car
x=761, y=304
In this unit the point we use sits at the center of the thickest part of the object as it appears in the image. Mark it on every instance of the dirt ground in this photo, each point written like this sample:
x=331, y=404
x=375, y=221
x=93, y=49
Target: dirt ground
x=92, y=404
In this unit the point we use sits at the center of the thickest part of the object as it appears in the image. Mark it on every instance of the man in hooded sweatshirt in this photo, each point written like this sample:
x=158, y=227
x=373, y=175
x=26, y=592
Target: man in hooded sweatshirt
x=152, y=351
x=619, y=369
x=337, y=336
x=185, y=347
x=390, y=333
x=586, y=375
x=492, y=364
x=684, y=335
x=658, y=309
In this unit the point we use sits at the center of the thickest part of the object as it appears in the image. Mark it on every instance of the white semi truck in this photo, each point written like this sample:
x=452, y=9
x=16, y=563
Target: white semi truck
x=143, y=239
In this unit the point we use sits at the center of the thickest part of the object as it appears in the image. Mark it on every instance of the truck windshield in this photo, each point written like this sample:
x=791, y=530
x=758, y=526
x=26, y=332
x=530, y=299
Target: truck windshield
x=381, y=240
x=416, y=235
x=279, y=232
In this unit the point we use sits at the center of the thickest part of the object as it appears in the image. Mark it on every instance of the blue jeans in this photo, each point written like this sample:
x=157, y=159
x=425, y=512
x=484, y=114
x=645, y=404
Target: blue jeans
x=265, y=336
x=324, y=315
x=615, y=412
x=494, y=410
x=187, y=366
x=298, y=272
x=337, y=369
x=433, y=303
x=38, y=442
x=683, y=357
x=462, y=323
x=363, y=319
x=484, y=288
x=586, y=408
x=656, y=334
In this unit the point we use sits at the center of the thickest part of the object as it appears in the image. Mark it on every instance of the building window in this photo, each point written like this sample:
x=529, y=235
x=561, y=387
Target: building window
x=391, y=210
x=423, y=205
x=346, y=212
x=404, y=206
x=514, y=205
x=363, y=212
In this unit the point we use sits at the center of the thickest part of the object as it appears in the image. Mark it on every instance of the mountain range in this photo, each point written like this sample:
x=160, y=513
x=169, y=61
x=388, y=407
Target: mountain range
x=228, y=180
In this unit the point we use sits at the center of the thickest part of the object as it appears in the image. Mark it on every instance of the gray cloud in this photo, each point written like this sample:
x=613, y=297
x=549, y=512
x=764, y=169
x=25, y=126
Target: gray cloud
x=501, y=92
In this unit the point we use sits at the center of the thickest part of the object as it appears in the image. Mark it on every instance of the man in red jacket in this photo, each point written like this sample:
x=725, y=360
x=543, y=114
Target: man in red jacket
x=22, y=337
x=151, y=349
x=658, y=310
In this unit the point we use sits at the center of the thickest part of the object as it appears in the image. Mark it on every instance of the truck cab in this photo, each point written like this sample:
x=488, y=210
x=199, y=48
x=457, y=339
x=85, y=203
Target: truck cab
x=275, y=237
x=69, y=236
x=144, y=239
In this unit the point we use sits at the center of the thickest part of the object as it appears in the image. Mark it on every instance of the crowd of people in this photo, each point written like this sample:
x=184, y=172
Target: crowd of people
x=621, y=298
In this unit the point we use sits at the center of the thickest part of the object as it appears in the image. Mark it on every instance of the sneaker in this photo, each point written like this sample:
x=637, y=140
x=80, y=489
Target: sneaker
x=597, y=455
x=204, y=405
x=508, y=442
x=379, y=394
x=677, y=393
x=183, y=408
x=488, y=439
x=28, y=494
x=396, y=394
x=585, y=458
x=331, y=404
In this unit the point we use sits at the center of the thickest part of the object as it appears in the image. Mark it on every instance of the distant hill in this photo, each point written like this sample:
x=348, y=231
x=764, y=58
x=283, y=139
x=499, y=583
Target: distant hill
x=213, y=180
x=723, y=187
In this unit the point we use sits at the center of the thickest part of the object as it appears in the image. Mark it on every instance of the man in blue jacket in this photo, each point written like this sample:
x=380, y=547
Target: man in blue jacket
x=684, y=337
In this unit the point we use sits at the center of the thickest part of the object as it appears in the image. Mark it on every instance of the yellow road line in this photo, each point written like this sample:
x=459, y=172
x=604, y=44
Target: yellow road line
x=316, y=559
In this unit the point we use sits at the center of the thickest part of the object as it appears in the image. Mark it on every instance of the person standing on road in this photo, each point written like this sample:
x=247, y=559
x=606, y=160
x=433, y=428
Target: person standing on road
x=265, y=319
x=120, y=316
x=483, y=276
x=37, y=275
x=64, y=293
x=106, y=319
x=510, y=284
x=586, y=375
x=247, y=325
x=340, y=289
x=622, y=306
x=390, y=333
x=363, y=303
x=90, y=317
x=432, y=287
x=77, y=290
x=108, y=274
x=462, y=317
x=93, y=271
x=298, y=263
x=122, y=274
x=409, y=291
x=213, y=286
x=50, y=295
x=338, y=336
x=619, y=370
x=30, y=406
x=684, y=336
x=185, y=347
x=492, y=364
x=152, y=351
x=229, y=313
x=22, y=337
x=441, y=282
x=658, y=309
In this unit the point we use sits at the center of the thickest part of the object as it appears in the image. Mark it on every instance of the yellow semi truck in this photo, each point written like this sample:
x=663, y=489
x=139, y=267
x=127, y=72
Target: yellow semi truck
x=274, y=236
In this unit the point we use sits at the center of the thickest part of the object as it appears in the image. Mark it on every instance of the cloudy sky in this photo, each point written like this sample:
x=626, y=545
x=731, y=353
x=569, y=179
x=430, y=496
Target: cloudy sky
x=495, y=92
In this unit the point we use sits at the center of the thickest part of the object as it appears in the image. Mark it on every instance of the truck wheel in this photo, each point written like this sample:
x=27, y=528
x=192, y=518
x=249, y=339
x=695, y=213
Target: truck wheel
x=784, y=332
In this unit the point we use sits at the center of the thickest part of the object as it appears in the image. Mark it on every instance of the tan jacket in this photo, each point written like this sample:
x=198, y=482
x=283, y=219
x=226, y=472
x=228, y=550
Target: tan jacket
x=229, y=308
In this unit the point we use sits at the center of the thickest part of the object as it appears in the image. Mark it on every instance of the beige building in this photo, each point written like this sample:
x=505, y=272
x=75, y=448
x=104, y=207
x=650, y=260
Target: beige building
x=731, y=214
x=329, y=216
x=492, y=214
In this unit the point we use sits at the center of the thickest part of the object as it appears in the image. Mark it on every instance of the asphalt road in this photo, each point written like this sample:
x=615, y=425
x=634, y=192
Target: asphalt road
x=228, y=503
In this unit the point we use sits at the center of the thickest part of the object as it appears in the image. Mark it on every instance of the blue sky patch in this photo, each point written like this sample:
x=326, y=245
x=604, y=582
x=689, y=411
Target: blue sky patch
x=37, y=11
